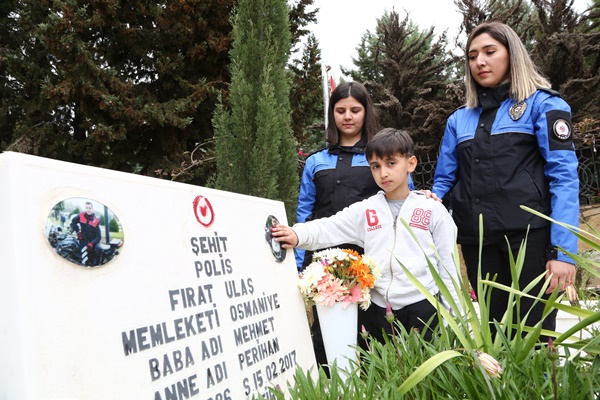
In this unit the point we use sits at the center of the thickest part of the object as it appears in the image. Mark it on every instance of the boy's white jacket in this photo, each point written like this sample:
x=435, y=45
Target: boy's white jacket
x=370, y=224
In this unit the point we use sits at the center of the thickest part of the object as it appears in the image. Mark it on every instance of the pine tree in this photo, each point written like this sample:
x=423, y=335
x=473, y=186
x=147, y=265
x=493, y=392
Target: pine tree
x=254, y=144
x=24, y=65
x=515, y=13
x=368, y=68
x=408, y=72
x=566, y=51
x=307, y=97
x=122, y=85
x=299, y=18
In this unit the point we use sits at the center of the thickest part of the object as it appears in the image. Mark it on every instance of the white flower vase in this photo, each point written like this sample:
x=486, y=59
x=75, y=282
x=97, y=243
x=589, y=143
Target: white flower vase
x=339, y=327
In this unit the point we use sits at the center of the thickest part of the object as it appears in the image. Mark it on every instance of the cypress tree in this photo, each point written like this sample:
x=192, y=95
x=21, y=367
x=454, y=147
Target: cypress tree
x=255, y=149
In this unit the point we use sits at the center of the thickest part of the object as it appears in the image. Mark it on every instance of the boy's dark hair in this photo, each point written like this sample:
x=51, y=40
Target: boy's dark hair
x=389, y=142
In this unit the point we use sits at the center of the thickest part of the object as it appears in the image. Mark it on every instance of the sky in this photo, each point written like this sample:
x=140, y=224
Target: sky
x=342, y=23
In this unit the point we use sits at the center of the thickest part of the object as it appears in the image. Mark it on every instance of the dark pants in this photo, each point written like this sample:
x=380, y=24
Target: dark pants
x=317, y=339
x=413, y=316
x=495, y=262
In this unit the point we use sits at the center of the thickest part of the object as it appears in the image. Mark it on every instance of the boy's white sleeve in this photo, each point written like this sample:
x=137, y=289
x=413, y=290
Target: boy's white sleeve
x=344, y=227
x=444, y=238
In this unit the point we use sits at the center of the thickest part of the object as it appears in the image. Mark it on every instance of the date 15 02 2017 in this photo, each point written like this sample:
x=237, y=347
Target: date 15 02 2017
x=271, y=371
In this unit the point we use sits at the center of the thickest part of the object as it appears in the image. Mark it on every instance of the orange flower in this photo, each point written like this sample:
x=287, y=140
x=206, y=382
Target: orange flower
x=366, y=280
x=355, y=274
x=362, y=273
x=351, y=252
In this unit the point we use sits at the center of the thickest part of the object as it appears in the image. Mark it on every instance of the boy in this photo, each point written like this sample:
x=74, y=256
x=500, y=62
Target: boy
x=375, y=224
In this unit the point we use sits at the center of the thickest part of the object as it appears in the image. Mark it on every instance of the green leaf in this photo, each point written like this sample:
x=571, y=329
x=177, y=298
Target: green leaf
x=425, y=369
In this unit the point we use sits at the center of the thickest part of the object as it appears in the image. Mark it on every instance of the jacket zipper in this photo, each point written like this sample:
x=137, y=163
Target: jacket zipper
x=387, y=298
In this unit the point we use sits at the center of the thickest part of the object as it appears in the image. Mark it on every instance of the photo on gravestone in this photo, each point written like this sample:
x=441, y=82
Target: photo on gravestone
x=276, y=249
x=84, y=232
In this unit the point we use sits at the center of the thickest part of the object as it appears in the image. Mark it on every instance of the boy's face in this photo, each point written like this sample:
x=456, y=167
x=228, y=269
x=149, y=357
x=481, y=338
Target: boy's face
x=391, y=174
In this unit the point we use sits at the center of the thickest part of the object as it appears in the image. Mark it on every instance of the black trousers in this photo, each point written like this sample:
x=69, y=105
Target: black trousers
x=495, y=262
x=413, y=316
x=317, y=339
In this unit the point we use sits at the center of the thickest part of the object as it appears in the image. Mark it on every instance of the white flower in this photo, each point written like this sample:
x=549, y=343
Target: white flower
x=374, y=268
x=310, y=277
x=330, y=257
x=489, y=363
x=366, y=292
x=572, y=295
x=335, y=276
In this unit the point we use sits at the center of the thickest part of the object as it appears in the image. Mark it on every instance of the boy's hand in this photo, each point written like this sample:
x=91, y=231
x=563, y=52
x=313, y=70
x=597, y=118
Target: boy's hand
x=285, y=236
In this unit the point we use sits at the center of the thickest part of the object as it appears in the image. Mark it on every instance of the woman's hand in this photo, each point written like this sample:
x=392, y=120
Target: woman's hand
x=560, y=274
x=430, y=195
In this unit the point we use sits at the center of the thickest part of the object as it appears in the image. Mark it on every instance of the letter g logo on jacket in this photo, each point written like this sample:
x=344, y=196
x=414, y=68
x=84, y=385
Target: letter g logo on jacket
x=372, y=219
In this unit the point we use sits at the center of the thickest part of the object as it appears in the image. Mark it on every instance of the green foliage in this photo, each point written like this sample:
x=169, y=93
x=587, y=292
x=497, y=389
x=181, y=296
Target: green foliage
x=567, y=51
x=464, y=360
x=299, y=18
x=408, y=72
x=307, y=98
x=368, y=54
x=127, y=86
x=256, y=152
x=113, y=225
x=518, y=14
x=416, y=80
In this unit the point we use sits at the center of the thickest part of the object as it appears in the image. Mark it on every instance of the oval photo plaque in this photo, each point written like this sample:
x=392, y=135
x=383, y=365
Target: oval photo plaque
x=84, y=232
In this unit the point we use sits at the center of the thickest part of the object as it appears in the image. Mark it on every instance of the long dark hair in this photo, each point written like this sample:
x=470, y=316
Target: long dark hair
x=360, y=93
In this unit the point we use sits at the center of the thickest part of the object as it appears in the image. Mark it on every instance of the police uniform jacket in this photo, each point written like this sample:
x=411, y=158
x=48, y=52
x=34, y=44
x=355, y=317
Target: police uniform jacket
x=503, y=154
x=333, y=178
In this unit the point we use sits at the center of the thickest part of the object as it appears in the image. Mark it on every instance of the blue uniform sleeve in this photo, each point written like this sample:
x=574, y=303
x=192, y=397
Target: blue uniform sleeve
x=555, y=141
x=306, y=201
x=447, y=164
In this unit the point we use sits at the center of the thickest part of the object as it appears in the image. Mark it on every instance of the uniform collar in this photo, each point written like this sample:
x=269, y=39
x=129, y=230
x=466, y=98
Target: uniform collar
x=358, y=148
x=492, y=97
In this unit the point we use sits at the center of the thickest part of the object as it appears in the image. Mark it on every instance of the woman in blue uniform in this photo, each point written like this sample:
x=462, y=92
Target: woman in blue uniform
x=511, y=145
x=338, y=175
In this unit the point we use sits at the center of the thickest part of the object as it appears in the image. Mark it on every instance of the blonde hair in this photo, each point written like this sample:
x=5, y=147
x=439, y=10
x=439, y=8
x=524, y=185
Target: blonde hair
x=525, y=78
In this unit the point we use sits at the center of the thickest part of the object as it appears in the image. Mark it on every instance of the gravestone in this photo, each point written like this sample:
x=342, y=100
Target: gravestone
x=181, y=294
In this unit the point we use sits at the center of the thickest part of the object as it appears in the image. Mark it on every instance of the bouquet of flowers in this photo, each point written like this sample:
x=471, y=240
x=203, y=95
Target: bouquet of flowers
x=339, y=275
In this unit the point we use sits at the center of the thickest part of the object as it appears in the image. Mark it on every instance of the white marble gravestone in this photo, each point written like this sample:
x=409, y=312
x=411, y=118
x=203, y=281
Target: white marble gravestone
x=195, y=303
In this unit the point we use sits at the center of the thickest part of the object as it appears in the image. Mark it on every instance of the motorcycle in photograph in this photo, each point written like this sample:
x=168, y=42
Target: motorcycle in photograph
x=70, y=248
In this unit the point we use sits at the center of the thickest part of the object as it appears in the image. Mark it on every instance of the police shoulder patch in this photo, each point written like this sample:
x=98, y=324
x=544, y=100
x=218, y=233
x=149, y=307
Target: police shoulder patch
x=561, y=129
